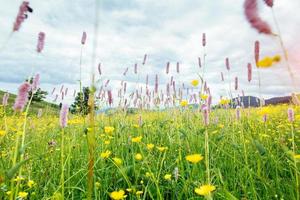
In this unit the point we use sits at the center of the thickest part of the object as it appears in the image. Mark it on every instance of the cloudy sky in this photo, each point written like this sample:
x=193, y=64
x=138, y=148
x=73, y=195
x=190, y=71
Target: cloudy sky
x=167, y=31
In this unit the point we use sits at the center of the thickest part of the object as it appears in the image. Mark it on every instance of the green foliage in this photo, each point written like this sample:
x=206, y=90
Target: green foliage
x=80, y=104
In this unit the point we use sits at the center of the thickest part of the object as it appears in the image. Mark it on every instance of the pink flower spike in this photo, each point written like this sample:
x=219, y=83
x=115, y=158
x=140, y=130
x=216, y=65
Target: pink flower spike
x=203, y=39
x=35, y=82
x=156, y=83
x=63, y=118
x=249, y=68
x=227, y=64
x=167, y=67
x=110, y=99
x=251, y=13
x=22, y=97
x=83, y=38
x=222, y=76
x=199, y=62
x=236, y=83
x=205, y=115
x=5, y=99
x=41, y=42
x=256, y=51
x=53, y=91
x=99, y=69
x=145, y=58
x=22, y=15
x=291, y=115
x=269, y=3
x=238, y=113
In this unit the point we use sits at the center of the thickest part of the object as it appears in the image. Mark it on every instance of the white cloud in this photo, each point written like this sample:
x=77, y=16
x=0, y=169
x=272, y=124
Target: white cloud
x=168, y=30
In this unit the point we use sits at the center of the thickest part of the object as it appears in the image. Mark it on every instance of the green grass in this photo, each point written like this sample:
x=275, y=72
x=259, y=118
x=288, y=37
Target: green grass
x=248, y=159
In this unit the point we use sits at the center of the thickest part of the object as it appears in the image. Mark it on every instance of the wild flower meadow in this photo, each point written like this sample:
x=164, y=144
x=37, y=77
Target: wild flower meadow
x=170, y=141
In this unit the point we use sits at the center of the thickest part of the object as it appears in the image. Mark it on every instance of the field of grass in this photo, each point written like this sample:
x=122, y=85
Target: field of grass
x=247, y=159
x=50, y=108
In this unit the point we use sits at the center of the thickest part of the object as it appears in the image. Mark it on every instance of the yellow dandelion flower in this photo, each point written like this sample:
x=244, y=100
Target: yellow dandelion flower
x=137, y=139
x=203, y=96
x=30, y=183
x=264, y=111
x=117, y=160
x=2, y=133
x=138, y=156
x=183, y=103
x=18, y=178
x=194, y=82
x=105, y=154
x=162, y=149
x=224, y=102
x=106, y=142
x=194, y=158
x=205, y=190
x=109, y=129
x=168, y=177
x=149, y=174
x=150, y=146
x=117, y=195
x=297, y=156
x=23, y=195
x=265, y=62
x=136, y=126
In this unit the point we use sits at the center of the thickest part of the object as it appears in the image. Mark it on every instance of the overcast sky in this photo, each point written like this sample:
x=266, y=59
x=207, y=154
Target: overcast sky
x=168, y=31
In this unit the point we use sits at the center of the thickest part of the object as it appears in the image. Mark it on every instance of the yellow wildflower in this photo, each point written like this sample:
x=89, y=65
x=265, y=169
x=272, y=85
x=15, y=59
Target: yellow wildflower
x=183, y=103
x=139, y=192
x=204, y=96
x=264, y=111
x=194, y=82
x=265, y=62
x=106, y=142
x=30, y=183
x=205, y=190
x=117, y=195
x=109, y=129
x=194, y=158
x=168, y=177
x=2, y=133
x=138, y=156
x=105, y=154
x=18, y=178
x=162, y=149
x=297, y=156
x=224, y=101
x=137, y=139
x=117, y=160
x=150, y=146
x=23, y=195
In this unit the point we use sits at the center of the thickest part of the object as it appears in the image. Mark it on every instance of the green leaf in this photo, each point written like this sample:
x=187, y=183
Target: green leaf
x=261, y=149
x=12, y=171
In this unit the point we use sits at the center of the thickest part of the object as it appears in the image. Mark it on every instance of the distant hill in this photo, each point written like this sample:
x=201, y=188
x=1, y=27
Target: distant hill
x=278, y=100
x=35, y=106
x=255, y=101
